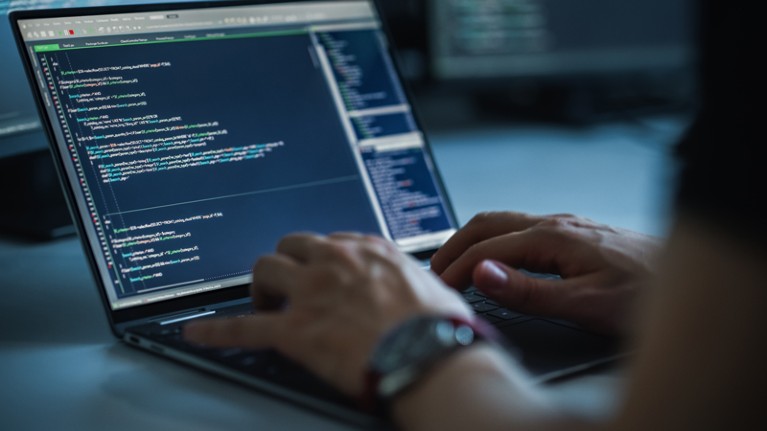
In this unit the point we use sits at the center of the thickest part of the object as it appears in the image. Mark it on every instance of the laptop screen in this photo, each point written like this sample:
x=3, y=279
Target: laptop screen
x=194, y=138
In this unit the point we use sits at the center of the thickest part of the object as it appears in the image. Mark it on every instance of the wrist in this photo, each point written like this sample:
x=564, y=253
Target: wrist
x=443, y=396
x=413, y=350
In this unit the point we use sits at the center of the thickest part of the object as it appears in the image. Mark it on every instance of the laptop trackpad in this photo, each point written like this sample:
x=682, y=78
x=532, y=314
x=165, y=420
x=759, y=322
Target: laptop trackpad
x=550, y=350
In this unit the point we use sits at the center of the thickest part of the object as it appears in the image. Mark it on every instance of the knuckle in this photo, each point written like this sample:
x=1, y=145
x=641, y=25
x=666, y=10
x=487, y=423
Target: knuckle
x=482, y=218
x=565, y=216
x=319, y=278
x=332, y=250
x=379, y=245
x=342, y=252
x=557, y=222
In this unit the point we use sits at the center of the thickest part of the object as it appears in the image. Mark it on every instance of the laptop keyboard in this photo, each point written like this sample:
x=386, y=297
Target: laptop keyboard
x=264, y=364
x=267, y=363
x=275, y=368
x=254, y=361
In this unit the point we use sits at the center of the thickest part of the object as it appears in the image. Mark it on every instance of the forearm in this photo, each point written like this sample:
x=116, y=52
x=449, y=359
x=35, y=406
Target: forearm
x=478, y=388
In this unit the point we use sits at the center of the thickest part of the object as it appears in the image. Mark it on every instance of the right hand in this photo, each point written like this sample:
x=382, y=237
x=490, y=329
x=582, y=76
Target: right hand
x=340, y=294
x=601, y=267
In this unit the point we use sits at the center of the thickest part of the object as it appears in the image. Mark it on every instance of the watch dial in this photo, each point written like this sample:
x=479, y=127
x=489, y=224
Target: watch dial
x=413, y=340
x=464, y=335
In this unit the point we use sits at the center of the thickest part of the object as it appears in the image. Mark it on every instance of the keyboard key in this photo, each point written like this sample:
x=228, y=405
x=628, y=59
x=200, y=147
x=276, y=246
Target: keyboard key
x=483, y=307
x=492, y=319
x=505, y=314
x=474, y=291
x=230, y=352
x=471, y=298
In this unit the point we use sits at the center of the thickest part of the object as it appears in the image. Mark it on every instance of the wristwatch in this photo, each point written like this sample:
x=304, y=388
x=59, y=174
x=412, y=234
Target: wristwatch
x=413, y=348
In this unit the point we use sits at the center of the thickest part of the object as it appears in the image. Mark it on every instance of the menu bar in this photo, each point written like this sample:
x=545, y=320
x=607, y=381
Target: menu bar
x=297, y=13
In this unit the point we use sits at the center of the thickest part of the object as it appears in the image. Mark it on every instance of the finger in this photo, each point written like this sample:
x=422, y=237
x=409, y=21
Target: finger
x=300, y=246
x=483, y=226
x=519, y=291
x=369, y=240
x=528, y=249
x=578, y=299
x=274, y=279
x=346, y=236
x=252, y=332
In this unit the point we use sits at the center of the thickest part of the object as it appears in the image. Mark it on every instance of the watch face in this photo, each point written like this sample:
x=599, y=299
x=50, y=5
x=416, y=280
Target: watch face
x=463, y=335
x=418, y=339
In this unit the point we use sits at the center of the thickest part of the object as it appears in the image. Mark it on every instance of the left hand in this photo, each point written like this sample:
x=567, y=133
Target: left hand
x=342, y=293
x=603, y=268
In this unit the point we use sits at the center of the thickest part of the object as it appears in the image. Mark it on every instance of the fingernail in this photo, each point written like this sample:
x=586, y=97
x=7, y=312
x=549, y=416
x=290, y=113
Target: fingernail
x=493, y=276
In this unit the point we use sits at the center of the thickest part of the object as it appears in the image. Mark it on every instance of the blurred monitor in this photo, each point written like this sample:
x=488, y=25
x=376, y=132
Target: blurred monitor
x=20, y=128
x=18, y=115
x=406, y=20
x=563, y=43
x=33, y=204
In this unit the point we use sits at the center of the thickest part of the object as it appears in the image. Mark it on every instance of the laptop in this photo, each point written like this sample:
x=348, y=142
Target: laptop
x=189, y=138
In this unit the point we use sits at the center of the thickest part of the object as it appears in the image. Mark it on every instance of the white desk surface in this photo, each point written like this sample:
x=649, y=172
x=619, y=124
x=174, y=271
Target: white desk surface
x=61, y=368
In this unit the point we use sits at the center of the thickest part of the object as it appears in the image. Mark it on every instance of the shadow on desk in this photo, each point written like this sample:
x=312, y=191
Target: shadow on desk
x=165, y=390
x=111, y=386
x=50, y=295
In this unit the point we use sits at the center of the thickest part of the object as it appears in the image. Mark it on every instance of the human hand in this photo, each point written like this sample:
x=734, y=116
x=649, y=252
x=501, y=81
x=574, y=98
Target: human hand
x=341, y=294
x=601, y=267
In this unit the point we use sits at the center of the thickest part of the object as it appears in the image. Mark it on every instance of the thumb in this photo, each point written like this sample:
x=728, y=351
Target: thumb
x=517, y=290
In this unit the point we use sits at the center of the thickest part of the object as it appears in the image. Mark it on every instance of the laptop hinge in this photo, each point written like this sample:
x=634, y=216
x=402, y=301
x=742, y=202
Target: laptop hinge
x=167, y=320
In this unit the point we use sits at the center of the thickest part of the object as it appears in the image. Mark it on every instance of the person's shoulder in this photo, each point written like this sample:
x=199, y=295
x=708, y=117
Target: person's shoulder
x=721, y=174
